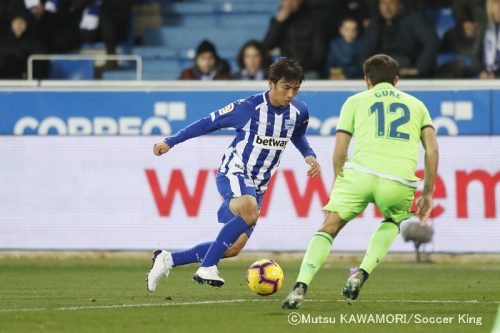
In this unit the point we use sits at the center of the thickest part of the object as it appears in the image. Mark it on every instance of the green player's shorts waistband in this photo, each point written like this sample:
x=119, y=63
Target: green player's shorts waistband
x=360, y=168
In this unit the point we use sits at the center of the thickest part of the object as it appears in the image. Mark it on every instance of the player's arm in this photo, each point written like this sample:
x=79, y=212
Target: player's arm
x=198, y=128
x=342, y=140
x=233, y=115
x=299, y=140
x=429, y=141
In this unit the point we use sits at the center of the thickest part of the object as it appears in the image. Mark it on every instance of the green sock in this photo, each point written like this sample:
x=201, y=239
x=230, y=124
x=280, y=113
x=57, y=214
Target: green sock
x=379, y=245
x=315, y=256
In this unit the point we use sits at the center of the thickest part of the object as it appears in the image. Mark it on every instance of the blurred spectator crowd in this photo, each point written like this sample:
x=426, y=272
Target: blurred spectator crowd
x=56, y=27
x=330, y=38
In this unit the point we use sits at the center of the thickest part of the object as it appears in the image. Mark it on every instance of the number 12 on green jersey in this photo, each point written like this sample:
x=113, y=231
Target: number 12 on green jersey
x=379, y=109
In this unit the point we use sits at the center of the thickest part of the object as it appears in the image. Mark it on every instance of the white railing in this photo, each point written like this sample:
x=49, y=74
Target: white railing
x=86, y=57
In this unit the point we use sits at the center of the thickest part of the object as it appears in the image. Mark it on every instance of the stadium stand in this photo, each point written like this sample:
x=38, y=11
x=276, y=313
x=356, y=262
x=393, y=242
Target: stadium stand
x=166, y=50
x=228, y=24
x=165, y=34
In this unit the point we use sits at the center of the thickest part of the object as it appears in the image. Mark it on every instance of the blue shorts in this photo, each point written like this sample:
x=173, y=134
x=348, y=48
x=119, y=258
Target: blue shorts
x=235, y=185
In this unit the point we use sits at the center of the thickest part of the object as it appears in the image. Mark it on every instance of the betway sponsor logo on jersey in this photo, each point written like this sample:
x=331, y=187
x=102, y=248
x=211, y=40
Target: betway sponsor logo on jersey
x=269, y=142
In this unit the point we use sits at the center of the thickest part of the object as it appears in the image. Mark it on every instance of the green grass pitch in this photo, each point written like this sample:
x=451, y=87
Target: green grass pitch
x=108, y=295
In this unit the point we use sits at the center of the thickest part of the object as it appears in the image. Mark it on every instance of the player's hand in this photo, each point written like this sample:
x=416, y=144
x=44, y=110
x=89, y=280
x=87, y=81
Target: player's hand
x=315, y=168
x=160, y=148
x=424, y=208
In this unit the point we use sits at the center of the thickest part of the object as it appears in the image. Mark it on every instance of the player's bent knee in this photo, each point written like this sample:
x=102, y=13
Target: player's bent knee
x=391, y=221
x=250, y=216
x=330, y=229
x=246, y=207
x=332, y=224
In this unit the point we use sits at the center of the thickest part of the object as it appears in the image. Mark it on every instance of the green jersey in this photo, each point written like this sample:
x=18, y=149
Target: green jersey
x=386, y=124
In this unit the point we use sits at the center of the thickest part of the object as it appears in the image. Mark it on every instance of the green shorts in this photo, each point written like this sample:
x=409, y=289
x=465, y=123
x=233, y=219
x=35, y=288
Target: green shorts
x=354, y=190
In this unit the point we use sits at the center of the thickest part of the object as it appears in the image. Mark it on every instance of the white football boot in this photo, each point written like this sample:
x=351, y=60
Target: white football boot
x=162, y=264
x=209, y=275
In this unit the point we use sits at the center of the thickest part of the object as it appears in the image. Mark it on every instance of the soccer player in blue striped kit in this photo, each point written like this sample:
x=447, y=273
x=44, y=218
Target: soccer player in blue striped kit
x=264, y=124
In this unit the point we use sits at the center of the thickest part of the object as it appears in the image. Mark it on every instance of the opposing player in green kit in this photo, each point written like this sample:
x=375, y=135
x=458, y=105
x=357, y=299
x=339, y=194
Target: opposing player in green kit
x=388, y=126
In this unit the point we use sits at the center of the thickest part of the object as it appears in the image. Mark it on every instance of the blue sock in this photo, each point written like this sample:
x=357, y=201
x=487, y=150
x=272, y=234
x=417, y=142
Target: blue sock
x=226, y=237
x=194, y=254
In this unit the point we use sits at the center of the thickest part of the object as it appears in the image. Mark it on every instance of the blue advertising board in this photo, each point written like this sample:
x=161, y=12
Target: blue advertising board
x=140, y=112
x=495, y=112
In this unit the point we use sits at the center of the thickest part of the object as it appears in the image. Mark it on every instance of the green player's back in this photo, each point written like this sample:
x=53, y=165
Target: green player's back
x=386, y=124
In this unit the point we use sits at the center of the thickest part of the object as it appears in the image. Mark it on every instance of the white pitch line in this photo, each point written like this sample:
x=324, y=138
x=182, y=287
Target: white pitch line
x=119, y=306
x=122, y=306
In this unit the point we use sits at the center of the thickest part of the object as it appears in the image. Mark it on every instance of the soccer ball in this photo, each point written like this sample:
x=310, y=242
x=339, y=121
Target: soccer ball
x=264, y=277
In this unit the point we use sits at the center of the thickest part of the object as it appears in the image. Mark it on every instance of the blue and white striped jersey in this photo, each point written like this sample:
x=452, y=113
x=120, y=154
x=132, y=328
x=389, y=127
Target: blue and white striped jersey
x=262, y=133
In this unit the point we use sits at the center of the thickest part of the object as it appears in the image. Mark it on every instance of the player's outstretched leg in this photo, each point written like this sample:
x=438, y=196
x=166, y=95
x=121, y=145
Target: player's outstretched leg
x=378, y=247
x=192, y=255
x=246, y=213
x=315, y=256
x=164, y=261
x=162, y=264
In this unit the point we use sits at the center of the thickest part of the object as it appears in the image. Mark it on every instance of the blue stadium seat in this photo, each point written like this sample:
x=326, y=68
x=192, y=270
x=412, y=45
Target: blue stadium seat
x=186, y=8
x=217, y=20
x=71, y=70
x=189, y=53
x=119, y=75
x=155, y=53
x=442, y=18
x=444, y=58
x=161, y=69
x=256, y=7
x=182, y=37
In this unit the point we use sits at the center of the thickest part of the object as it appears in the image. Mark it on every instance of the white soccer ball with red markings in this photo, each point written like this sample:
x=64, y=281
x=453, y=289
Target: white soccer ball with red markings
x=264, y=277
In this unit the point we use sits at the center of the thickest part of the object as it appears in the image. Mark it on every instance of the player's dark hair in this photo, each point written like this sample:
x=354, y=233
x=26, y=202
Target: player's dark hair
x=381, y=68
x=286, y=69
